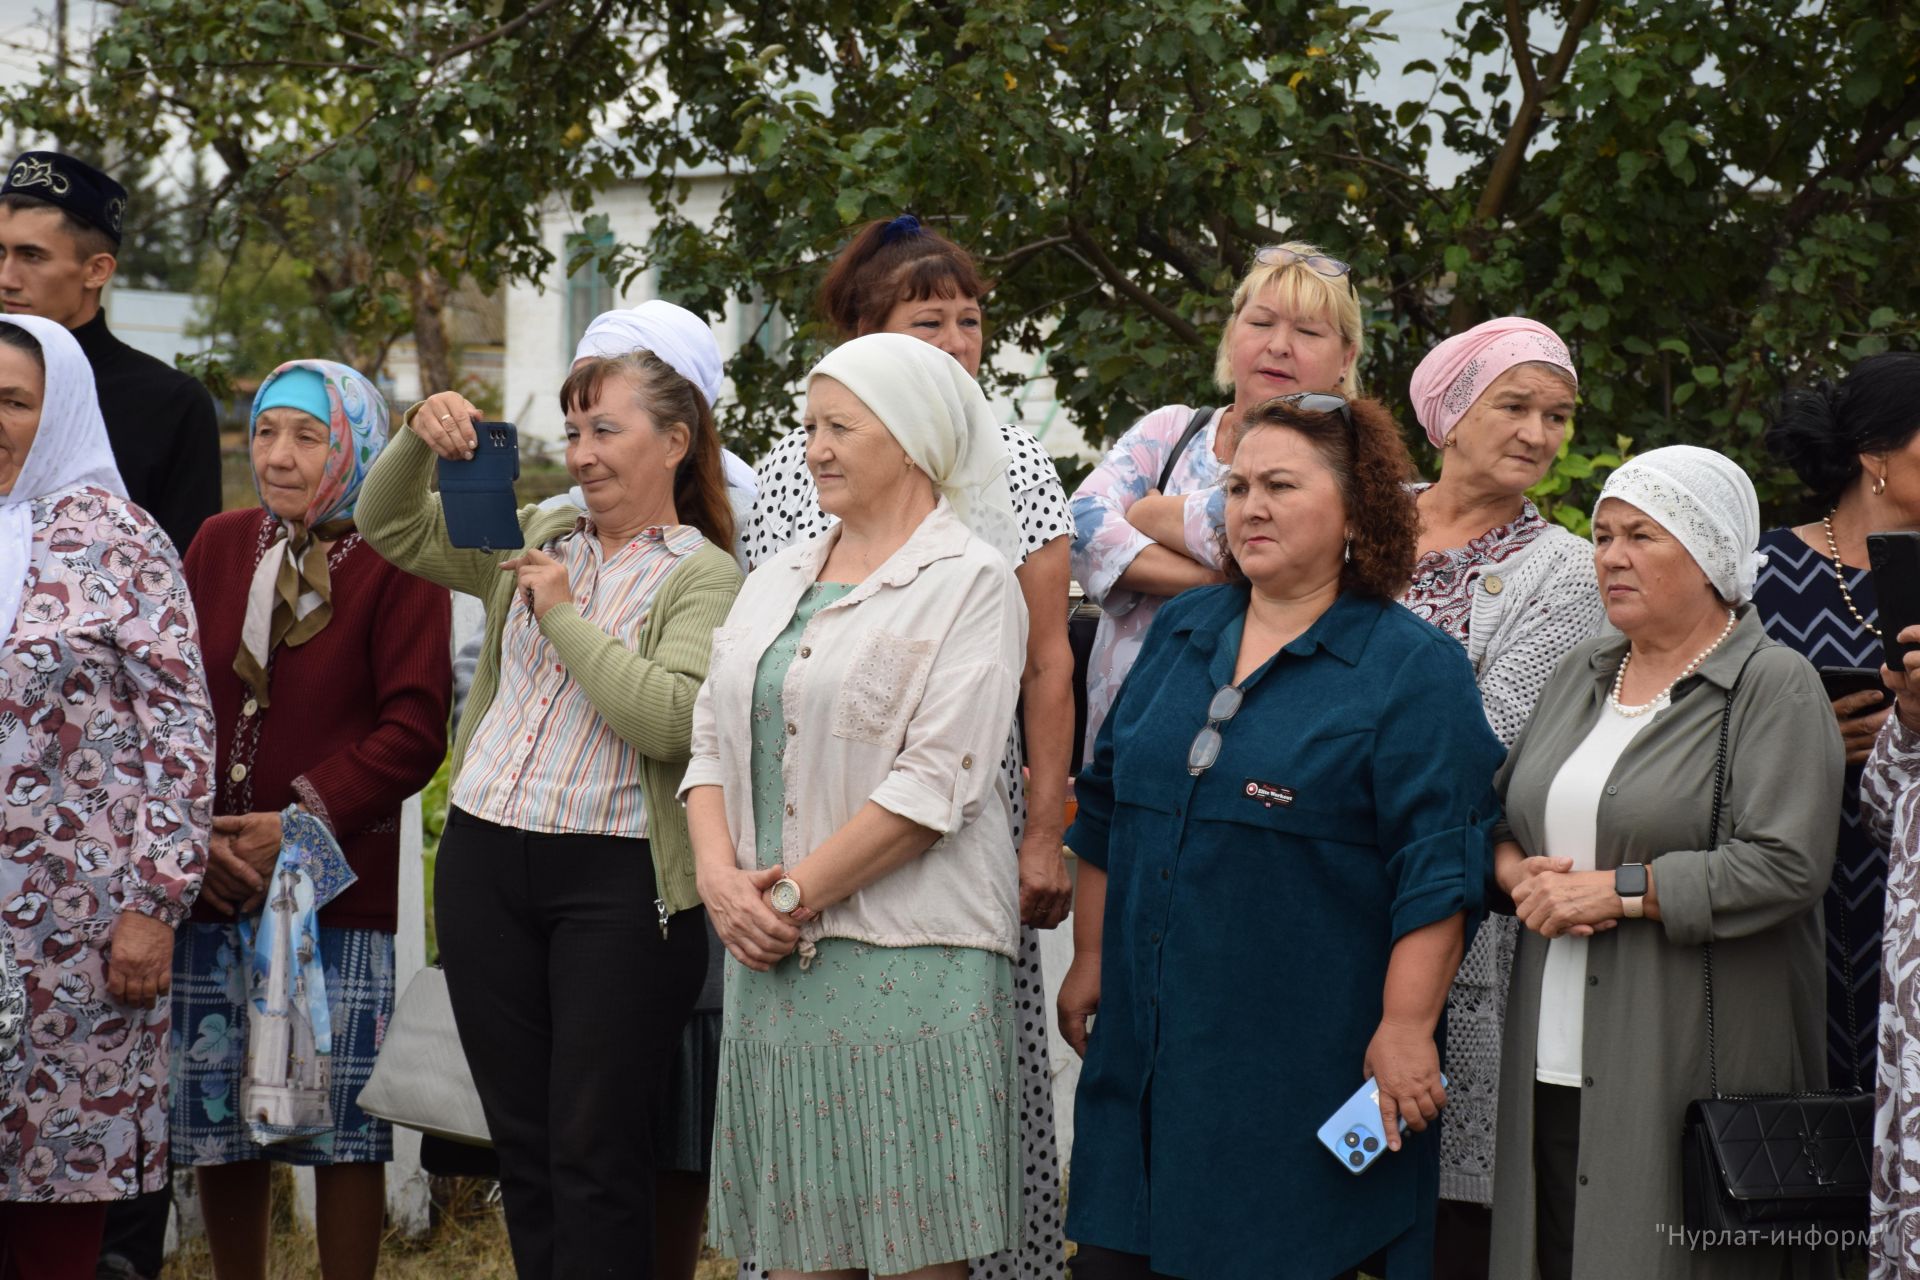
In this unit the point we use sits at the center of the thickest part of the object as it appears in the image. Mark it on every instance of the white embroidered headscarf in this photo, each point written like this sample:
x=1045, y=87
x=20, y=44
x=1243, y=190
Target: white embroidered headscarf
x=69, y=451
x=1705, y=500
x=939, y=415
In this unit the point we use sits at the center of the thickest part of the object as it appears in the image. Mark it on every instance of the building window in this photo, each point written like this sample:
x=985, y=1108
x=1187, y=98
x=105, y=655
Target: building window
x=589, y=291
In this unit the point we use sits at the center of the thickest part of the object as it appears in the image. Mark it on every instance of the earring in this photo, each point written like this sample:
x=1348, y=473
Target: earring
x=1448, y=442
x=1346, y=557
x=1879, y=484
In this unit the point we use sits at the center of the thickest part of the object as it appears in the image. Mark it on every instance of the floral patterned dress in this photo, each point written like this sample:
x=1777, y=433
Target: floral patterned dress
x=1104, y=544
x=867, y=1100
x=106, y=749
x=1890, y=816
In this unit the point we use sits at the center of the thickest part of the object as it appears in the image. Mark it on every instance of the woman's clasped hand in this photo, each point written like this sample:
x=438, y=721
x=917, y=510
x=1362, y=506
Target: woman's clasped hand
x=1552, y=899
x=757, y=935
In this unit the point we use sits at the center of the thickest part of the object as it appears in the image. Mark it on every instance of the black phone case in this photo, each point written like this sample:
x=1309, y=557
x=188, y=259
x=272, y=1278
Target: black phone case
x=477, y=493
x=1841, y=681
x=1895, y=560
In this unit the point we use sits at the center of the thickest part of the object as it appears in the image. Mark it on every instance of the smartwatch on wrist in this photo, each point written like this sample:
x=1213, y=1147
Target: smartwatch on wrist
x=1630, y=882
x=785, y=896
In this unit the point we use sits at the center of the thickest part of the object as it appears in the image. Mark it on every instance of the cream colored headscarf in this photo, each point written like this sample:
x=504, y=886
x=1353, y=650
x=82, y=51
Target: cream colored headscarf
x=939, y=415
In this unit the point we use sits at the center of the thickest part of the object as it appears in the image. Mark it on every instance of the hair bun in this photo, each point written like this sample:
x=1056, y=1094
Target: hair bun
x=1806, y=435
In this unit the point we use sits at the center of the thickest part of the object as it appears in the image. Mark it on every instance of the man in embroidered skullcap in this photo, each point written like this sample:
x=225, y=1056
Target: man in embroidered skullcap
x=61, y=222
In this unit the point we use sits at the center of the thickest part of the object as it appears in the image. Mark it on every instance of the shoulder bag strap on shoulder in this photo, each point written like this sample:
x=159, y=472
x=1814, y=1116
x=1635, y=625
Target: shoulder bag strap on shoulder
x=1713, y=842
x=1200, y=418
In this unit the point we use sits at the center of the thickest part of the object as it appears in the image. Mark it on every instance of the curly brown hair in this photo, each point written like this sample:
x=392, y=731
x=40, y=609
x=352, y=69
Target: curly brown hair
x=1371, y=466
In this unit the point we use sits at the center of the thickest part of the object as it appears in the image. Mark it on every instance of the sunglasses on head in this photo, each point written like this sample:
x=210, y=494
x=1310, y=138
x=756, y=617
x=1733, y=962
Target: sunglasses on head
x=1319, y=402
x=1278, y=255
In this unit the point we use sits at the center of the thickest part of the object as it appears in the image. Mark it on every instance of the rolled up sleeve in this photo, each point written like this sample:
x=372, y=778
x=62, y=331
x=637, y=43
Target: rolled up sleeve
x=951, y=757
x=1785, y=769
x=1433, y=770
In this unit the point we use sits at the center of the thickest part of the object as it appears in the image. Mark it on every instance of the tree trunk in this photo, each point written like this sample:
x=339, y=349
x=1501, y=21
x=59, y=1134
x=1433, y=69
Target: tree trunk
x=431, y=348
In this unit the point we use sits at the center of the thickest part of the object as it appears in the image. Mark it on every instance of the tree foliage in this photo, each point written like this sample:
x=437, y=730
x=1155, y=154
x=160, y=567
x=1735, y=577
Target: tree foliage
x=1708, y=199
x=388, y=147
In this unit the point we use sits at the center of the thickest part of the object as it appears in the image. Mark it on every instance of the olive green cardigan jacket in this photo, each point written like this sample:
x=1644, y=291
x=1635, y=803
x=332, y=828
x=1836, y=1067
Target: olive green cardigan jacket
x=645, y=693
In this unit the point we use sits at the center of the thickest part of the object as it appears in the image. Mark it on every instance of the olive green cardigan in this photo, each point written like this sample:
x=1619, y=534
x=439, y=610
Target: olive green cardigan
x=645, y=693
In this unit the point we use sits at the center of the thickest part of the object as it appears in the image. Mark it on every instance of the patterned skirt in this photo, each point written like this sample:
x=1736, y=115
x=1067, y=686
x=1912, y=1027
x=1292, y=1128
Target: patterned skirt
x=210, y=1048
x=868, y=1110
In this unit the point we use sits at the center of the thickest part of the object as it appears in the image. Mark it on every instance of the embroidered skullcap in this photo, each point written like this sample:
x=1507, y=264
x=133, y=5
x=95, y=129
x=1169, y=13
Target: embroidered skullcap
x=1459, y=370
x=1705, y=500
x=72, y=185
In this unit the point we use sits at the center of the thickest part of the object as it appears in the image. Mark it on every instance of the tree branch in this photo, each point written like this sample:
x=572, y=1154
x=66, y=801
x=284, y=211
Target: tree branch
x=1522, y=52
x=1813, y=197
x=1506, y=165
x=500, y=32
x=1181, y=327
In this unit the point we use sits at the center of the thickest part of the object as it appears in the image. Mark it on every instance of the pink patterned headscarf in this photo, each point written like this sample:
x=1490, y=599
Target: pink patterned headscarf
x=1456, y=372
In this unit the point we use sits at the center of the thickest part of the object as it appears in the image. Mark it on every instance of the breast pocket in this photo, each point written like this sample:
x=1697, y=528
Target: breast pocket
x=884, y=681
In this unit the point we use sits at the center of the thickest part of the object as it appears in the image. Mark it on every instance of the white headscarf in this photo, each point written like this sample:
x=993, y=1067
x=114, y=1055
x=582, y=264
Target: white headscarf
x=69, y=451
x=939, y=415
x=684, y=341
x=1705, y=500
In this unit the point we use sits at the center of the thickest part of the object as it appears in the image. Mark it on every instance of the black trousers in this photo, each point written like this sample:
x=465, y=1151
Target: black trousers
x=570, y=1004
x=1556, y=1165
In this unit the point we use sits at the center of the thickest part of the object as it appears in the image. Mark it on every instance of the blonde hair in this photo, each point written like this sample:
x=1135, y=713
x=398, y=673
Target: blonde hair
x=1302, y=292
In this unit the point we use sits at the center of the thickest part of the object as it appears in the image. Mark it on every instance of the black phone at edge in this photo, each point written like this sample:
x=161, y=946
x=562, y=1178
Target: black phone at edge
x=476, y=493
x=1895, y=561
x=1841, y=681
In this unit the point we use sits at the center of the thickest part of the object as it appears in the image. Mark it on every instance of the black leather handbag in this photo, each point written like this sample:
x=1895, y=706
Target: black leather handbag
x=1780, y=1164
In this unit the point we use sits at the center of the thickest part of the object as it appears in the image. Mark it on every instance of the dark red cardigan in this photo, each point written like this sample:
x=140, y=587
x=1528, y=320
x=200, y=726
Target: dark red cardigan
x=359, y=712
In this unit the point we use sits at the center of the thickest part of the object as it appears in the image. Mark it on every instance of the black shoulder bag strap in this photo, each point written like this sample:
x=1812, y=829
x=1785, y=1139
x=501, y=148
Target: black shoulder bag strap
x=1199, y=419
x=1713, y=842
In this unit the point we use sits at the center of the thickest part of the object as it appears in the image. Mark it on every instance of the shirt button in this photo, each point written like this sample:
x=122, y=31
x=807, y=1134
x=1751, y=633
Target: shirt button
x=248, y=707
x=238, y=772
x=1583, y=1179
x=1592, y=981
x=792, y=728
x=1587, y=1083
x=806, y=651
x=560, y=669
x=789, y=810
x=1613, y=791
x=529, y=737
x=966, y=761
x=1154, y=936
x=1493, y=584
x=1165, y=874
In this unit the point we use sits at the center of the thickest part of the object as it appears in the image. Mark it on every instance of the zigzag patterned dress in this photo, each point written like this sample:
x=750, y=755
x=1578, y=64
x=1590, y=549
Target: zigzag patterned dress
x=1799, y=602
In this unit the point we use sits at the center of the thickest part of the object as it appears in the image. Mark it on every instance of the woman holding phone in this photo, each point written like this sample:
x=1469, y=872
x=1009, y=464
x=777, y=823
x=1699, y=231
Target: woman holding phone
x=1852, y=443
x=572, y=931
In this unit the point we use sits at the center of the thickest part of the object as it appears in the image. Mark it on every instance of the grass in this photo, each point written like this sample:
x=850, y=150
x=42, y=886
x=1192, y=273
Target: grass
x=468, y=1240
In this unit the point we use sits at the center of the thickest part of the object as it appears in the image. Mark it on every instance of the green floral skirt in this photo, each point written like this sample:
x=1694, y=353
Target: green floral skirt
x=868, y=1114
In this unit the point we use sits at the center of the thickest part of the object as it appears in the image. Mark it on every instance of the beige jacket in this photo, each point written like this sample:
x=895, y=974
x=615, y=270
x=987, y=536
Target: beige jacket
x=902, y=692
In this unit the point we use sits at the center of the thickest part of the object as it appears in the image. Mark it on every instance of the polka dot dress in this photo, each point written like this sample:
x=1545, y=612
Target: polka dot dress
x=788, y=511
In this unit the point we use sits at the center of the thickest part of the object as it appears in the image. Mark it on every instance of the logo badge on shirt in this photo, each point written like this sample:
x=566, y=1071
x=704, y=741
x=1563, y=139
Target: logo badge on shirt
x=1269, y=794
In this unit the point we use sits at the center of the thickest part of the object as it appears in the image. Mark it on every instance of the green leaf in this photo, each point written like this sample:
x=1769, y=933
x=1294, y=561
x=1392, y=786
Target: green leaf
x=1883, y=318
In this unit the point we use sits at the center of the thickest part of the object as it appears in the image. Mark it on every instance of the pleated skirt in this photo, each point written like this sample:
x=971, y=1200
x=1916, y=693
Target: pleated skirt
x=868, y=1110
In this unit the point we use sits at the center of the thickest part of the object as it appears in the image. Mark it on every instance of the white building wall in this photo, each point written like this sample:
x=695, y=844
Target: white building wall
x=153, y=321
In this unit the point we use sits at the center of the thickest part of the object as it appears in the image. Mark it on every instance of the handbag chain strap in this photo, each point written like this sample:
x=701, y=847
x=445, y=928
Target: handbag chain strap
x=1713, y=842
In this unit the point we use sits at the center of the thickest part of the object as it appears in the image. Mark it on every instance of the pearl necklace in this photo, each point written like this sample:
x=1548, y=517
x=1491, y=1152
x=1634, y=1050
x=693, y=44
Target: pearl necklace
x=1840, y=577
x=1620, y=675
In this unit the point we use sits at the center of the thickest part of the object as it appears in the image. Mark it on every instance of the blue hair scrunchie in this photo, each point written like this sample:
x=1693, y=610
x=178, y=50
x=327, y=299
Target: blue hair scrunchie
x=901, y=228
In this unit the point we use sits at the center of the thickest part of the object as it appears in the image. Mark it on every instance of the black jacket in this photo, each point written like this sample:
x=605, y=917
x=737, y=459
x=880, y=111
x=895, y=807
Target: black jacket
x=161, y=424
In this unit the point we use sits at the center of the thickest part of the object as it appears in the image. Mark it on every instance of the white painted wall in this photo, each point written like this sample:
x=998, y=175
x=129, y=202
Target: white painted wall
x=153, y=321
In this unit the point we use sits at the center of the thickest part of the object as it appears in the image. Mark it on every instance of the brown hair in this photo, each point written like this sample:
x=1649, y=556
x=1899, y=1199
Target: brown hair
x=875, y=274
x=700, y=481
x=1371, y=467
x=88, y=240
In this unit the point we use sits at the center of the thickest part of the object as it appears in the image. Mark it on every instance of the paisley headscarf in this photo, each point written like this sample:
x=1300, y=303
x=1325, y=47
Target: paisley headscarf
x=291, y=599
x=1458, y=371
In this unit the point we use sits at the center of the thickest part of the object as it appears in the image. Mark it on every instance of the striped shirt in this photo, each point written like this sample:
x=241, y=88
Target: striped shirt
x=542, y=759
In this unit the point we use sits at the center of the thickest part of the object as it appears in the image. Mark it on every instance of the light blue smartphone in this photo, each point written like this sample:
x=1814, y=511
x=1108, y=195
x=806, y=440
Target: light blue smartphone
x=1352, y=1133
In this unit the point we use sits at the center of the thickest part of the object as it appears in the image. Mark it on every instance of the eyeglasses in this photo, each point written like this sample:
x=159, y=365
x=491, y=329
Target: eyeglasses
x=1206, y=743
x=1319, y=402
x=1278, y=255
